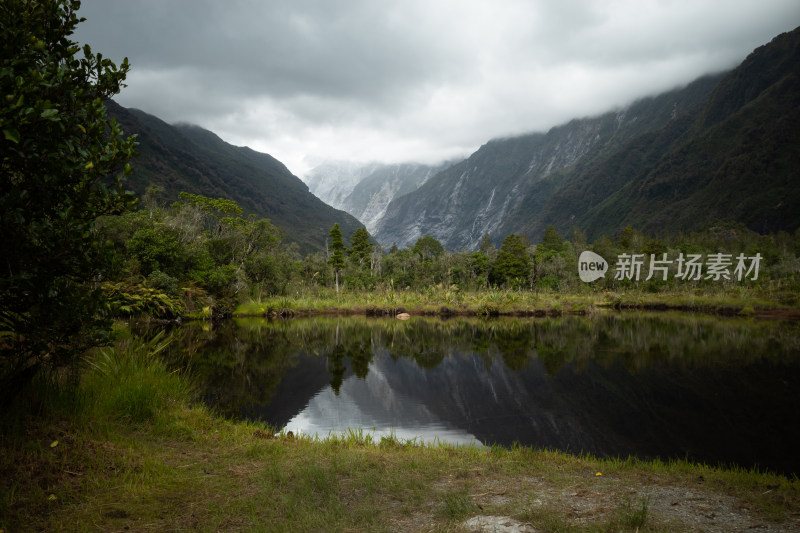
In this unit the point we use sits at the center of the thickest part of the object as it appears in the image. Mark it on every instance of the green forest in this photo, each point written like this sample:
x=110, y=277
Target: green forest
x=204, y=254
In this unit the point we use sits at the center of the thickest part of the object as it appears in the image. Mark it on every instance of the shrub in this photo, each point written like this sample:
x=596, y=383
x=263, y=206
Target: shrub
x=163, y=282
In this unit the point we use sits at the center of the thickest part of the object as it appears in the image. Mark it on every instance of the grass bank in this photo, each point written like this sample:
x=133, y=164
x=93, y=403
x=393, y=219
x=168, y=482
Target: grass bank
x=124, y=448
x=439, y=300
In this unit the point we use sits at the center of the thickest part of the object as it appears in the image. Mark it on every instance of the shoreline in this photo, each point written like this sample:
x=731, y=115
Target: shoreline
x=128, y=446
x=543, y=306
x=187, y=469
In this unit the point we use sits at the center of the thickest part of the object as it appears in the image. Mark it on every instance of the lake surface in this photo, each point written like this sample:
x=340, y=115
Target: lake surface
x=716, y=390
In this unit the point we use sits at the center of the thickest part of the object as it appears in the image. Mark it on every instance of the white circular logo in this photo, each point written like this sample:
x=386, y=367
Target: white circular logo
x=591, y=266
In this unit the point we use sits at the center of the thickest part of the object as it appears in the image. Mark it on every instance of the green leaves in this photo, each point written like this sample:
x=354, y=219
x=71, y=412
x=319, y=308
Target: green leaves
x=428, y=248
x=11, y=135
x=360, y=246
x=336, y=259
x=513, y=263
x=216, y=206
x=337, y=250
x=59, y=151
x=135, y=299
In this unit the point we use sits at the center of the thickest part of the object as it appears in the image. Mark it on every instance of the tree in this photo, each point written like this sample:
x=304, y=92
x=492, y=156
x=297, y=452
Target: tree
x=360, y=247
x=156, y=249
x=513, y=263
x=428, y=248
x=626, y=238
x=212, y=213
x=486, y=246
x=551, y=241
x=63, y=162
x=479, y=267
x=550, y=260
x=579, y=242
x=336, y=259
x=362, y=259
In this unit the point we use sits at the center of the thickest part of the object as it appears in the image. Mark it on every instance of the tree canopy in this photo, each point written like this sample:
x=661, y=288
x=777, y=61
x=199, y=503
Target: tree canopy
x=513, y=262
x=360, y=246
x=62, y=166
x=428, y=248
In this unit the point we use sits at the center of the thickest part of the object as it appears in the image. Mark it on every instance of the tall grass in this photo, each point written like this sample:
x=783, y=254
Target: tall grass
x=429, y=300
x=127, y=382
x=130, y=382
x=49, y=448
x=489, y=302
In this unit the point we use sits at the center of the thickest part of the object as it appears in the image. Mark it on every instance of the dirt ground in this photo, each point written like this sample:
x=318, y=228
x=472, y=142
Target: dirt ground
x=669, y=508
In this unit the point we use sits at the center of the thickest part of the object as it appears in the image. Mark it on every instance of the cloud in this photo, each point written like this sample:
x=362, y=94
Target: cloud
x=411, y=79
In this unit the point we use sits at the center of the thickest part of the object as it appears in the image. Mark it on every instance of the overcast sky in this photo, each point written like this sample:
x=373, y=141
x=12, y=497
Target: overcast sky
x=411, y=80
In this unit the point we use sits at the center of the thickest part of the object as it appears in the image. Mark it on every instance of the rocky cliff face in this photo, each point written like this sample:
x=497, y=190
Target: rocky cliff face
x=507, y=182
x=372, y=195
x=333, y=181
x=364, y=190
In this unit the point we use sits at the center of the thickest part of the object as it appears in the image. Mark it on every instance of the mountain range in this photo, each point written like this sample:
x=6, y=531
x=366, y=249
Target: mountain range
x=184, y=157
x=725, y=147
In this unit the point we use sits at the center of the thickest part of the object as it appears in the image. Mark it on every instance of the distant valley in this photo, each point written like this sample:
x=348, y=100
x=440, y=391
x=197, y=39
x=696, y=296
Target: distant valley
x=366, y=190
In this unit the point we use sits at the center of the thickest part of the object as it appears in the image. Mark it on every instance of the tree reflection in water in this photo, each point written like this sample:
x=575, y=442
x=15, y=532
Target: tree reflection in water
x=612, y=383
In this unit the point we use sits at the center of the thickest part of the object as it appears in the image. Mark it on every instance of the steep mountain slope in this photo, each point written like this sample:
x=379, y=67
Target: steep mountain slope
x=725, y=147
x=737, y=157
x=502, y=186
x=189, y=158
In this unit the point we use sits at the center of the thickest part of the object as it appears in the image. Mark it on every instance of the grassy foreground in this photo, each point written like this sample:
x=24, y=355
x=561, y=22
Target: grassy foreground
x=126, y=449
x=438, y=300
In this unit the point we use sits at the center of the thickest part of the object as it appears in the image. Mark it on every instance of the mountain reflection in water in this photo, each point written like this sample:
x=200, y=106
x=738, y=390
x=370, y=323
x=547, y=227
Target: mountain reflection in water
x=372, y=405
x=647, y=385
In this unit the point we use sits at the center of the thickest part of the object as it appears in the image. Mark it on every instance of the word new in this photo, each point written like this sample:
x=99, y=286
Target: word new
x=591, y=266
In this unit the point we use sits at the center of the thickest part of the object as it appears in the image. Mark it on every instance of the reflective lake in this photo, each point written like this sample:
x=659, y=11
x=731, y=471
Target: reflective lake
x=716, y=390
